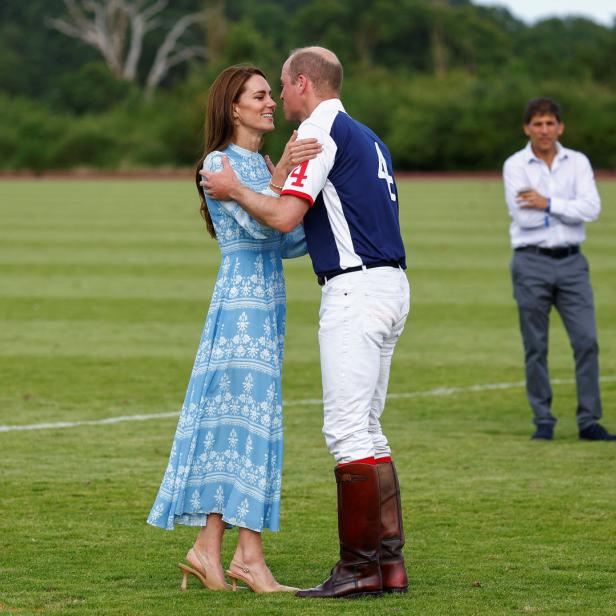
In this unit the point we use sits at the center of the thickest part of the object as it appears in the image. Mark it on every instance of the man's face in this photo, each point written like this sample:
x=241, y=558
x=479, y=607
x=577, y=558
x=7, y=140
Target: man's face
x=543, y=132
x=290, y=96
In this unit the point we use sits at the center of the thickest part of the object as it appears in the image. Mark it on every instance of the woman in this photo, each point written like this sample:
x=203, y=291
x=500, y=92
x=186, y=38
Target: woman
x=226, y=460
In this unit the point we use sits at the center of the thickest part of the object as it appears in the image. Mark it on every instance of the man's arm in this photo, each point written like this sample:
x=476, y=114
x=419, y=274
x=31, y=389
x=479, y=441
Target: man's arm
x=283, y=213
x=515, y=181
x=586, y=205
x=530, y=199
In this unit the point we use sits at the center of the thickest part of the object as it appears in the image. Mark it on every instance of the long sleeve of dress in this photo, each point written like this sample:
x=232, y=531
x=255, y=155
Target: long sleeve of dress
x=294, y=243
x=213, y=163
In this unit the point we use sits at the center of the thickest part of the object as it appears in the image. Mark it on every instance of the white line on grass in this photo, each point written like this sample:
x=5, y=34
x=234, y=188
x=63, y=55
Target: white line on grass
x=439, y=391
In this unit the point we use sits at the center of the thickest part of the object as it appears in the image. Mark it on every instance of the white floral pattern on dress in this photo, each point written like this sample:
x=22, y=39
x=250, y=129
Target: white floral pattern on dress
x=265, y=412
x=219, y=497
x=241, y=513
x=226, y=456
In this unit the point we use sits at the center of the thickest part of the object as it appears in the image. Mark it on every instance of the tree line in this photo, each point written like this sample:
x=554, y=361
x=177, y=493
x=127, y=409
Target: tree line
x=123, y=83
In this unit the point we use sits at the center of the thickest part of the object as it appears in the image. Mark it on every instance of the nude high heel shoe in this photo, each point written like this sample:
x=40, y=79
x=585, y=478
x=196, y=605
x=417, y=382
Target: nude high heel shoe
x=201, y=575
x=245, y=575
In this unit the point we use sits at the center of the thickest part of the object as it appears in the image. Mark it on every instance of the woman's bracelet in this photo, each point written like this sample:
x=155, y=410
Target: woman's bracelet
x=276, y=186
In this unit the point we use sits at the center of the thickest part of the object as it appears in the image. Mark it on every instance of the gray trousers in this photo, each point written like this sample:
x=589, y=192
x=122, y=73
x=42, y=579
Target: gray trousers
x=540, y=282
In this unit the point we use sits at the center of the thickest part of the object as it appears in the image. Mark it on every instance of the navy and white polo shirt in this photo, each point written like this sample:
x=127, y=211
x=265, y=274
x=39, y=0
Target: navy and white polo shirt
x=353, y=218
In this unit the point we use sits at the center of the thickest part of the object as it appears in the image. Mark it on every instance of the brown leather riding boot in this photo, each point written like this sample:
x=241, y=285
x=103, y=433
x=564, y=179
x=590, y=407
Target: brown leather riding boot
x=392, y=534
x=359, y=528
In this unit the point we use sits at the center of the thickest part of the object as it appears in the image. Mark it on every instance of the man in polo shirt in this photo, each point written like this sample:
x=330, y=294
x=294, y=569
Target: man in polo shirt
x=550, y=192
x=348, y=202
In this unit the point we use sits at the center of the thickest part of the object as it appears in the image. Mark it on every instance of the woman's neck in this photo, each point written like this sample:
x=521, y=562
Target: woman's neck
x=247, y=139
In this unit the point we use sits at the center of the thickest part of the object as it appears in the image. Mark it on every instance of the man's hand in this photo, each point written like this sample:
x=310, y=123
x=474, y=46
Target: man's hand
x=529, y=199
x=221, y=185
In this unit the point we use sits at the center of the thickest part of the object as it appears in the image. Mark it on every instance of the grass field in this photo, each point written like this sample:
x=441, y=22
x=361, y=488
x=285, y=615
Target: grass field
x=103, y=291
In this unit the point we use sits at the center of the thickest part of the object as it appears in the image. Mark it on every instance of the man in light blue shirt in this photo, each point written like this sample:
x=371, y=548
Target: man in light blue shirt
x=551, y=193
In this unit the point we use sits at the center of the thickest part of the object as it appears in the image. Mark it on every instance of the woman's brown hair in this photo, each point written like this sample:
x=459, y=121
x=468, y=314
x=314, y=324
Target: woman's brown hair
x=219, y=126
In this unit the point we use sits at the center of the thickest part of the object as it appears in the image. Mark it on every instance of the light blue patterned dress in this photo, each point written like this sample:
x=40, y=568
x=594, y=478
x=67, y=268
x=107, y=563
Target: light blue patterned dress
x=227, y=452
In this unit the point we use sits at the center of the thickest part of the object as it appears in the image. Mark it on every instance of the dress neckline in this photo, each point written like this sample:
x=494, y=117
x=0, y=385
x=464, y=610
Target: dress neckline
x=241, y=151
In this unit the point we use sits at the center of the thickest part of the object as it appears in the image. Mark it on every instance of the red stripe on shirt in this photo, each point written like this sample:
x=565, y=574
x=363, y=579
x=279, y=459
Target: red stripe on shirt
x=301, y=195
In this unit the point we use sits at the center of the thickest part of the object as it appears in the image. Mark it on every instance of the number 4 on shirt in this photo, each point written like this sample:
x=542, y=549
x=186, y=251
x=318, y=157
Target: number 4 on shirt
x=300, y=175
x=383, y=173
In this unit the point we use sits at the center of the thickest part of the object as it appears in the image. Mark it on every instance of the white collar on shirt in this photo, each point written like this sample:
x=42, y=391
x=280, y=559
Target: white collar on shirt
x=529, y=155
x=327, y=106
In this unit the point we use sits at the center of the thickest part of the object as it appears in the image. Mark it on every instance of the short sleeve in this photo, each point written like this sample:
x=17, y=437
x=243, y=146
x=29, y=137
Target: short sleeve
x=308, y=179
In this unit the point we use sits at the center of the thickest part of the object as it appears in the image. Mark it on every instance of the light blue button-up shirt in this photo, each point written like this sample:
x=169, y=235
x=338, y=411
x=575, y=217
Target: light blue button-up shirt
x=570, y=186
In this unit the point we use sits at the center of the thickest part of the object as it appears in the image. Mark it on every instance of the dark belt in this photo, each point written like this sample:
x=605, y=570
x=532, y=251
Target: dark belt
x=554, y=253
x=323, y=278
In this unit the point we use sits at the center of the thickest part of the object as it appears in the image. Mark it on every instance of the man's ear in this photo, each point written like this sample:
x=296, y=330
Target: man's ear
x=561, y=128
x=526, y=130
x=302, y=82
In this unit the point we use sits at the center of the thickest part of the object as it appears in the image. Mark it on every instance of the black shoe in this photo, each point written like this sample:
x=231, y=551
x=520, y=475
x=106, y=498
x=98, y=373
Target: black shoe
x=596, y=432
x=545, y=433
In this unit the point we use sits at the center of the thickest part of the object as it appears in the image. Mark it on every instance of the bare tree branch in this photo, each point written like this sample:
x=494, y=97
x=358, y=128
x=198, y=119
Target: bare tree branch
x=154, y=9
x=94, y=29
x=185, y=54
x=141, y=23
x=117, y=28
x=164, y=59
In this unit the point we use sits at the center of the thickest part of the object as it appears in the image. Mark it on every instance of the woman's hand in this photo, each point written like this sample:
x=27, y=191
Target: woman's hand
x=296, y=151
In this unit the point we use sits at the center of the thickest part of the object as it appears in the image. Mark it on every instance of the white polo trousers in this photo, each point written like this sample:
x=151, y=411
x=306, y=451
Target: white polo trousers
x=361, y=318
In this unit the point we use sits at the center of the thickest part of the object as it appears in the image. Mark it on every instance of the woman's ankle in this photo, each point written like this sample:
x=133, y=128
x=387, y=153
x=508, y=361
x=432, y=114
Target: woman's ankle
x=249, y=549
x=208, y=542
x=248, y=559
x=202, y=558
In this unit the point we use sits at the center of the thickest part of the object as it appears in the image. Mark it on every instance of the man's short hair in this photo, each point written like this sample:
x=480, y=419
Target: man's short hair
x=541, y=106
x=321, y=66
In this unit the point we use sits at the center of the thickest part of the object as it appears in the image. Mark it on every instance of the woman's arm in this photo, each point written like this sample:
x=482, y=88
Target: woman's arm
x=294, y=243
x=296, y=151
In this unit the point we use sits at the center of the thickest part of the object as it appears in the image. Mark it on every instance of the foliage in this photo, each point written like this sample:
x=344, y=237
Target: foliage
x=91, y=88
x=443, y=82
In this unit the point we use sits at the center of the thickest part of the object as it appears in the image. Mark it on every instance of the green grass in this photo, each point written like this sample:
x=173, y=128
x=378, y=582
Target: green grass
x=103, y=291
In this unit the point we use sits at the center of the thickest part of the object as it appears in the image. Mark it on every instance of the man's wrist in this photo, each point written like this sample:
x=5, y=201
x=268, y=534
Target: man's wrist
x=235, y=191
